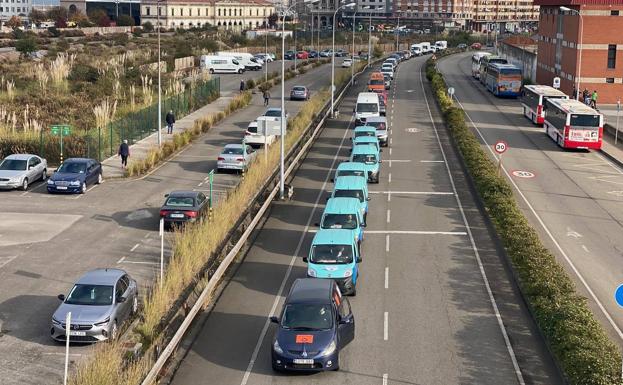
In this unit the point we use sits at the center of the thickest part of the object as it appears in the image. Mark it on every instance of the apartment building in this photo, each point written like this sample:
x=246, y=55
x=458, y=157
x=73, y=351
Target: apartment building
x=226, y=14
x=580, y=44
x=503, y=15
x=10, y=8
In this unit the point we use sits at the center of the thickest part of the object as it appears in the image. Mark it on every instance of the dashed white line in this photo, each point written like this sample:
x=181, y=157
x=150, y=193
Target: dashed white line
x=390, y=152
x=389, y=197
x=389, y=177
x=389, y=215
x=387, y=243
x=431, y=161
x=386, y=326
x=385, y=378
x=134, y=247
x=387, y=277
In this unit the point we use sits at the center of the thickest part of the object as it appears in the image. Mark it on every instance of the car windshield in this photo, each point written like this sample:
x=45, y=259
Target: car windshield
x=359, y=134
x=96, y=295
x=351, y=173
x=73, y=168
x=339, y=221
x=331, y=254
x=13, y=165
x=298, y=88
x=364, y=158
x=299, y=316
x=349, y=194
x=232, y=151
x=377, y=125
x=180, y=201
x=273, y=113
x=367, y=107
x=376, y=82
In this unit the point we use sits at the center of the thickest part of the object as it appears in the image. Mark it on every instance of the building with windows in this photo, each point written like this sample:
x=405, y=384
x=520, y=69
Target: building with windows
x=226, y=14
x=503, y=15
x=579, y=44
x=10, y=8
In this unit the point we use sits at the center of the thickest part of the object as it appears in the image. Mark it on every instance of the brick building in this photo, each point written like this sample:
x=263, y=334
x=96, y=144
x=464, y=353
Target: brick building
x=584, y=49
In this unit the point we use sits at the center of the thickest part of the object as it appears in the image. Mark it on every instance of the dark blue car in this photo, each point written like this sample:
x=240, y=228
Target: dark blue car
x=289, y=55
x=316, y=322
x=313, y=54
x=74, y=175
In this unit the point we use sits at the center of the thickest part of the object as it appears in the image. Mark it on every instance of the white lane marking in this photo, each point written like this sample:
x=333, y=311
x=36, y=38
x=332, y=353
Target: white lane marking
x=121, y=260
x=200, y=184
x=389, y=215
x=62, y=354
x=585, y=248
x=134, y=247
x=411, y=192
x=260, y=339
x=547, y=230
x=389, y=177
x=391, y=140
x=431, y=161
x=386, y=326
x=387, y=277
x=146, y=235
x=92, y=187
x=509, y=347
x=389, y=197
x=140, y=262
x=5, y=260
x=385, y=378
x=573, y=234
x=399, y=160
x=414, y=232
x=390, y=151
x=387, y=243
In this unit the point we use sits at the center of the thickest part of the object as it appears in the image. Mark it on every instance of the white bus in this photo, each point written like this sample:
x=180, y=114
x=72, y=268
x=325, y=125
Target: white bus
x=476, y=63
x=573, y=124
x=220, y=64
x=533, y=98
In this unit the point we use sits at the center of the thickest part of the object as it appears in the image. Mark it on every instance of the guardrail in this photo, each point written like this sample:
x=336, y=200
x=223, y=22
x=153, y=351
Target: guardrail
x=293, y=158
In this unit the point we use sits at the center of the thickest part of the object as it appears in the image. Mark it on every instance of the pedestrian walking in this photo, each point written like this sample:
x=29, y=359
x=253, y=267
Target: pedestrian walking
x=124, y=153
x=266, y=97
x=241, y=86
x=586, y=97
x=170, y=119
x=594, y=99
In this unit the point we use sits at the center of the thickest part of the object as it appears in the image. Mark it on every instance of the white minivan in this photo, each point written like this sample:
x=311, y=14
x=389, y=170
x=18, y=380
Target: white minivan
x=426, y=48
x=441, y=45
x=416, y=49
x=367, y=106
x=246, y=59
x=220, y=64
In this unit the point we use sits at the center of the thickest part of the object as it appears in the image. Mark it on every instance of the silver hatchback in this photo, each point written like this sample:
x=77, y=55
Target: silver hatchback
x=100, y=302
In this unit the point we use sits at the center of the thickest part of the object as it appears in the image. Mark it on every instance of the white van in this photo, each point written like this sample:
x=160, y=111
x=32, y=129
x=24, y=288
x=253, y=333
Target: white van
x=220, y=64
x=425, y=48
x=441, y=44
x=367, y=106
x=246, y=59
x=416, y=49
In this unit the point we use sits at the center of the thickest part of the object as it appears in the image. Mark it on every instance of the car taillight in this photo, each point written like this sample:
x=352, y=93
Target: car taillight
x=191, y=214
x=220, y=158
x=164, y=213
x=240, y=159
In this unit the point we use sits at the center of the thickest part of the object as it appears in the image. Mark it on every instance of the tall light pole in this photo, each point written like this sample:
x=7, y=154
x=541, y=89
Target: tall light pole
x=333, y=55
x=312, y=30
x=398, y=31
x=370, y=32
x=266, y=52
x=159, y=77
x=352, y=65
x=578, y=75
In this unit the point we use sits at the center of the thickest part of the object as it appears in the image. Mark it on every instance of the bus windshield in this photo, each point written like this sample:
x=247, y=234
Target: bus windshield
x=584, y=120
x=510, y=71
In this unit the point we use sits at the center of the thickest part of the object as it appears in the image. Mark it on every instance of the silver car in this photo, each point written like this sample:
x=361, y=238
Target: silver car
x=99, y=303
x=235, y=157
x=19, y=170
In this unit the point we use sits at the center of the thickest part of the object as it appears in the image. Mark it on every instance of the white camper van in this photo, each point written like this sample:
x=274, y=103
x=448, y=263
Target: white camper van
x=441, y=45
x=220, y=64
x=416, y=49
x=426, y=48
x=246, y=59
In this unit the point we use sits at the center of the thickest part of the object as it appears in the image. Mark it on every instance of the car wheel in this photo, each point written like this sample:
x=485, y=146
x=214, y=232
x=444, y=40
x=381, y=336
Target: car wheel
x=113, y=331
x=99, y=178
x=83, y=190
x=239, y=71
x=135, y=305
x=24, y=184
x=211, y=70
x=275, y=367
x=44, y=175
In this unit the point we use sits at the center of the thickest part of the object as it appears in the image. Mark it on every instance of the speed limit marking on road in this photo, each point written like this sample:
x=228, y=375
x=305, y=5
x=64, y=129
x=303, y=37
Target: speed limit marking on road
x=523, y=174
x=500, y=147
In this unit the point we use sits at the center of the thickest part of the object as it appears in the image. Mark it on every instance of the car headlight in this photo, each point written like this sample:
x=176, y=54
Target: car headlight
x=277, y=348
x=329, y=349
x=15, y=179
x=311, y=273
x=55, y=321
x=348, y=273
x=50, y=182
x=103, y=323
x=75, y=183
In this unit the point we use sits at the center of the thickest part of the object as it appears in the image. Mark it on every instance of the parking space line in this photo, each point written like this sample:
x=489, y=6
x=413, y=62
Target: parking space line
x=121, y=260
x=385, y=326
x=134, y=247
x=389, y=177
x=431, y=161
x=5, y=260
x=389, y=197
x=92, y=187
x=415, y=232
x=390, y=151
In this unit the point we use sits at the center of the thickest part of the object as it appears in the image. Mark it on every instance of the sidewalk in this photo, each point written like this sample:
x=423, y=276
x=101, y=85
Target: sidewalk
x=609, y=149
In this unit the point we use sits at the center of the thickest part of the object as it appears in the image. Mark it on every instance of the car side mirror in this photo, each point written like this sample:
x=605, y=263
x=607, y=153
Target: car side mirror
x=305, y=259
x=368, y=198
x=61, y=297
x=362, y=225
x=380, y=160
x=31, y=167
x=166, y=195
x=274, y=319
x=121, y=299
x=358, y=259
x=346, y=320
x=317, y=224
x=354, y=111
x=332, y=180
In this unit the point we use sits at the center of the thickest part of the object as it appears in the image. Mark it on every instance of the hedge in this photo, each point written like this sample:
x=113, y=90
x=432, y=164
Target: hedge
x=577, y=340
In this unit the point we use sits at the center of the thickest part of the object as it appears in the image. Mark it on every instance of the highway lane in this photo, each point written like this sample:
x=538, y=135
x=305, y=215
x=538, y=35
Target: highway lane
x=573, y=200
x=423, y=312
x=48, y=241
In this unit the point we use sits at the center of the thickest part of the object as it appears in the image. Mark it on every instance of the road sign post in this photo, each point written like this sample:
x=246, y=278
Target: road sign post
x=210, y=179
x=616, y=133
x=451, y=92
x=67, y=331
x=61, y=130
x=500, y=148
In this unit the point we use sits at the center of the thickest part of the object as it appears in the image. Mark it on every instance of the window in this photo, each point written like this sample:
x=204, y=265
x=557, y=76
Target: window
x=219, y=12
x=181, y=11
x=609, y=80
x=612, y=55
x=614, y=13
x=147, y=11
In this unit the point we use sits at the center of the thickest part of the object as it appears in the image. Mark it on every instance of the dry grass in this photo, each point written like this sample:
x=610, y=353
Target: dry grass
x=104, y=113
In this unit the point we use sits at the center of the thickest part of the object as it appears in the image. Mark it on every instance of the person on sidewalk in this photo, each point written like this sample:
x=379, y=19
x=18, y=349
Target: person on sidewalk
x=170, y=119
x=266, y=97
x=241, y=86
x=124, y=153
x=586, y=97
x=594, y=99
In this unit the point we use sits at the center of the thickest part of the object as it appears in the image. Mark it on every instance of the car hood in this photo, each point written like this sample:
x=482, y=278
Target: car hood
x=332, y=271
x=67, y=176
x=83, y=313
x=11, y=173
x=320, y=339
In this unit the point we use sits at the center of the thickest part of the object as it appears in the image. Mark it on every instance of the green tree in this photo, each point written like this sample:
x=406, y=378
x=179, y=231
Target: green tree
x=272, y=20
x=148, y=26
x=26, y=46
x=37, y=16
x=125, y=21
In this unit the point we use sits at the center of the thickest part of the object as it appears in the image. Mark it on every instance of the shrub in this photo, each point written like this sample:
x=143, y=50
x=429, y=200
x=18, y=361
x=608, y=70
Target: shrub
x=250, y=84
x=125, y=21
x=84, y=73
x=26, y=46
x=148, y=26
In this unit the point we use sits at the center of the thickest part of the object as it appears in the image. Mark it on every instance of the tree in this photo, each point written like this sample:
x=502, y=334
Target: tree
x=61, y=22
x=58, y=12
x=80, y=19
x=14, y=22
x=125, y=21
x=37, y=16
x=99, y=17
x=272, y=20
x=26, y=46
x=148, y=26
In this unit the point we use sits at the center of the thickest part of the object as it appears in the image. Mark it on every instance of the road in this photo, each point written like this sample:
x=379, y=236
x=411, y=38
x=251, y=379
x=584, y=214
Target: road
x=425, y=313
x=573, y=200
x=48, y=241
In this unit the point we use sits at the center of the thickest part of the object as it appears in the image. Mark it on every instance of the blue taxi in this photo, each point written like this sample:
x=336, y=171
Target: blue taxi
x=343, y=213
x=369, y=156
x=353, y=187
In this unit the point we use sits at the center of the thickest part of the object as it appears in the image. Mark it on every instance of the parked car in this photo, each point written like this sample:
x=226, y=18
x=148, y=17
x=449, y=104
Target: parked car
x=462, y=46
x=313, y=54
x=299, y=93
x=274, y=112
x=265, y=57
x=74, y=175
x=476, y=46
x=99, y=302
x=19, y=170
x=235, y=157
x=326, y=53
x=303, y=55
x=382, y=103
x=388, y=81
x=181, y=207
x=347, y=63
x=289, y=55
x=340, y=53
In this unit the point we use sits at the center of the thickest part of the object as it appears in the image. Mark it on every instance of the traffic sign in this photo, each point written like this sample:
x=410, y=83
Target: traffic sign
x=618, y=295
x=451, y=91
x=556, y=82
x=500, y=147
x=58, y=129
x=269, y=125
x=523, y=174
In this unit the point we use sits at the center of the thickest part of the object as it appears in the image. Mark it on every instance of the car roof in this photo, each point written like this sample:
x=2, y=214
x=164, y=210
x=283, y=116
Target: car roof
x=366, y=139
x=334, y=236
x=341, y=205
x=349, y=182
x=101, y=277
x=351, y=166
x=376, y=119
x=365, y=149
x=20, y=156
x=272, y=109
x=77, y=160
x=233, y=145
x=310, y=290
x=365, y=128
x=183, y=193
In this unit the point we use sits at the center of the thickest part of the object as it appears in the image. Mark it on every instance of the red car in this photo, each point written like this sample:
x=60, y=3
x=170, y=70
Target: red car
x=302, y=55
x=476, y=46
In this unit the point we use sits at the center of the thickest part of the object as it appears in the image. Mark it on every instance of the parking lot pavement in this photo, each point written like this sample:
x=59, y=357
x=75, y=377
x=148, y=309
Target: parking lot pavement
x=114, y=224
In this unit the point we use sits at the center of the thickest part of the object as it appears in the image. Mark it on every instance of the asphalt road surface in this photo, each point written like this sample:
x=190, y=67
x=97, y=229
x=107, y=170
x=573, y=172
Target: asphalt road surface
x=572, y=197
x=48, y=241
x=425, y=313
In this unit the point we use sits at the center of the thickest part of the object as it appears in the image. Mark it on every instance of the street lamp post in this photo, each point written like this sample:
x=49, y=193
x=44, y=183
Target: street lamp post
x=370, y=32
x=159, y=79
x=266, y=52
x=398, y=31
x=579, y=71
x=352, y=65
x=333, y=55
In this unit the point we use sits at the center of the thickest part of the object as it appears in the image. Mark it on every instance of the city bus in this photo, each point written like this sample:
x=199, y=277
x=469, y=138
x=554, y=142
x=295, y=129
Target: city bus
x=476, y=63
x=484, y=62
x=573, y=124
x=504, y=80
x=533, y=98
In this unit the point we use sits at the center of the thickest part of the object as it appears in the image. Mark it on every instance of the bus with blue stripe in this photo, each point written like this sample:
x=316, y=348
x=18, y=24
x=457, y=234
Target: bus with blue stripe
x=504, y=80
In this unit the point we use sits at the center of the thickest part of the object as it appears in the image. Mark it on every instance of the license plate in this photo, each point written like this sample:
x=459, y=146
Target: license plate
x=77, y=333
x=304, y=361
x=177, y=215
x=61, y=187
